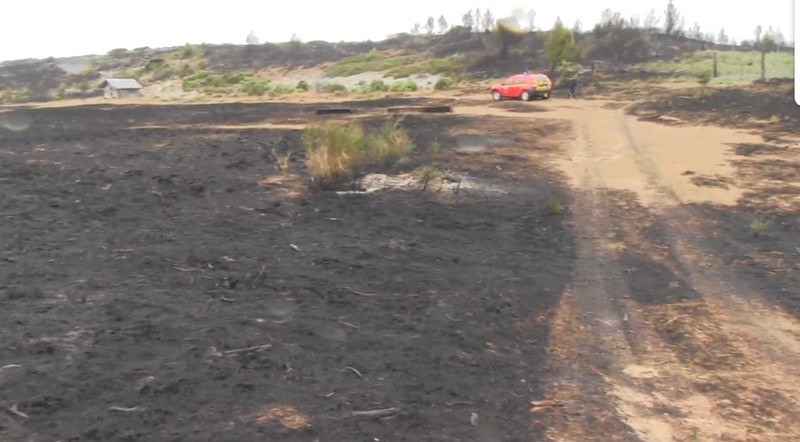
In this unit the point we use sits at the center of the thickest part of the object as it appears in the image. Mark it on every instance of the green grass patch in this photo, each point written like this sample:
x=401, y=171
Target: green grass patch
x=732, y=66
x=372, y=61
x=452, y=66
x=246, y=83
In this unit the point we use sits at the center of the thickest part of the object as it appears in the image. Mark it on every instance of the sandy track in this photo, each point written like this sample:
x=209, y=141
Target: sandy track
x=688, y=352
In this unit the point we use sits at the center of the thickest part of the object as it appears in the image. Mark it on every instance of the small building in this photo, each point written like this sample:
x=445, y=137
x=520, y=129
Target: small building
x=121, y=87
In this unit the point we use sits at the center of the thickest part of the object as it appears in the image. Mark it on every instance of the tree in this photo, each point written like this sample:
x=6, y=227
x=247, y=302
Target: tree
x=695, y=32
x=468, y=21
x=764, y=43
x=779, y=39
x=294, y=39
x=416, y=29
x=634, y=22
x=722, y=38
x=651, y=20
x=776, y=36
x=508, y=35
x=252, y=39
x=611, y=18
x=429, y=26
x=531, y=20
x=479, y=23
x=576, y=28
x=442, y=24
x=559, y=45
x=488, y=20
x=672, y=19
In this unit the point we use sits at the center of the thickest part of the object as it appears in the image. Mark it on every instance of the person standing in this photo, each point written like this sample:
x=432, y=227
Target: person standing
x=572, y=84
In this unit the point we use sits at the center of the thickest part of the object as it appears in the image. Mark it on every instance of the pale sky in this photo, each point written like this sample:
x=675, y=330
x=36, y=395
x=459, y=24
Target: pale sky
x=40, y=28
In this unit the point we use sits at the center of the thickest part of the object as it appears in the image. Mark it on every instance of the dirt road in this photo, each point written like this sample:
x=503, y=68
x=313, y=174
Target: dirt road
x=659, y=338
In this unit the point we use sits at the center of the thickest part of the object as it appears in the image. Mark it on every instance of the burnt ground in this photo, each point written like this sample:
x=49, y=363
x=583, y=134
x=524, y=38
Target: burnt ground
x=765, y=106
x=139, y=266
x=166, y=283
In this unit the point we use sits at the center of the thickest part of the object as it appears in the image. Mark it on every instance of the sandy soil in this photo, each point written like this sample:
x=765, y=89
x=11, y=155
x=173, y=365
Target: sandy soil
x=160, y=280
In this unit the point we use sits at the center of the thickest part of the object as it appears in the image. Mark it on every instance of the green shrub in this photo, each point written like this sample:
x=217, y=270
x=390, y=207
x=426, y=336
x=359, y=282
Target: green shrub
x=302, y=85
x=443, y=83
x=236, y=78
x=334, y=88
x=378, y=86
x=254, y=86
x=190, y=51
x=155, y=64
x=281, y=89
x=704, y=78
x=118, y=52
x=405, y=86
x=201, y=80
x=61, y=92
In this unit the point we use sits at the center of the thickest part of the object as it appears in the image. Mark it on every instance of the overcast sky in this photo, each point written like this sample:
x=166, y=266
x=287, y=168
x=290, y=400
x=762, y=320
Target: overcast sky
x=39, y=28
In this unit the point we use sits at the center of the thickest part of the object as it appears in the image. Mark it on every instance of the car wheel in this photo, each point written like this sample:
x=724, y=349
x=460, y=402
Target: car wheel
x=496, y=96
x=546, y=96
x=525, y=96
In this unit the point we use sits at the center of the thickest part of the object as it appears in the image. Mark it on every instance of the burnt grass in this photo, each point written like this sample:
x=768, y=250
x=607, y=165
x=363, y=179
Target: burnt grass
x=136, y=264
x=746, y=107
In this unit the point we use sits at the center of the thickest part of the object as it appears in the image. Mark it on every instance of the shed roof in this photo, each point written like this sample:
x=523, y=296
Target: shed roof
x=121, y=83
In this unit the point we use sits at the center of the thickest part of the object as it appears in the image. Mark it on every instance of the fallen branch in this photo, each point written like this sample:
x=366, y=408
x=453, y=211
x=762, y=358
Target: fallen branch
x=344, y=287
x=358, y=373
x=376, y=413
x=15, y=411
x=670, y=321
x=457, y=403
x=348, y=324
x=126, y=409
x=10, y=366
x=247, y=349
x=545, y=404
x=184, y=269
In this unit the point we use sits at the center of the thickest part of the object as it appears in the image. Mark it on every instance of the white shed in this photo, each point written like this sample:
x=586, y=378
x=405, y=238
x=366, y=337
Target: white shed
x=121, y=87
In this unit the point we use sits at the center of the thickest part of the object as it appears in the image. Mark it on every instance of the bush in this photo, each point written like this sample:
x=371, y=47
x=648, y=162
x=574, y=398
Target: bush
x=14, y=95
x=302, y=85
x=337, y=153
x=281, y=89
x=704, y=78
x=405, y=86
x=254, y=86
x=200, y=80
x=443, y=83
x=61, y=92
x=334, y=88
x=190, y=51
x=118, y=52
x=378, y=86
x=155, y=64
x=236, y=78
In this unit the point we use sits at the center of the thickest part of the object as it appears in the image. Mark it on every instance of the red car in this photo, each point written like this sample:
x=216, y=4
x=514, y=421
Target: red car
x=523, y=86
